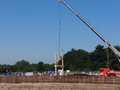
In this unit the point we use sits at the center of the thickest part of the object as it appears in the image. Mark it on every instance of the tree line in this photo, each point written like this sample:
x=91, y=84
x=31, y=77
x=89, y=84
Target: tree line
x=82, y=60
x=25, y=66
x=74, y=60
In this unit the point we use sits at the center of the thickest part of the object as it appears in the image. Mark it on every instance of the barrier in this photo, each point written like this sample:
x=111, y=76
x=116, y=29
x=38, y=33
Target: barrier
x=60, y=79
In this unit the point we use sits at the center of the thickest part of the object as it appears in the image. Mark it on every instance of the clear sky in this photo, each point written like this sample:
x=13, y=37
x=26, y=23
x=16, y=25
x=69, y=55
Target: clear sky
x=28, y=28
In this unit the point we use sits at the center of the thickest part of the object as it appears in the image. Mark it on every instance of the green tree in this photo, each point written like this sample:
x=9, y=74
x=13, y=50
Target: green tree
x=22, y=66
x=99, y=57
x=77, y=60
x=40, y=67
x=114, y=63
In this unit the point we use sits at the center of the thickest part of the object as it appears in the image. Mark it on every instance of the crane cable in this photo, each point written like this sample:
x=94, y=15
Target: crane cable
x=59, y=33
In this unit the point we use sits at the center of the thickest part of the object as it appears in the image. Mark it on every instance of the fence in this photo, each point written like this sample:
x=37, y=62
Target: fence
x=58, y=86
x=61, y=79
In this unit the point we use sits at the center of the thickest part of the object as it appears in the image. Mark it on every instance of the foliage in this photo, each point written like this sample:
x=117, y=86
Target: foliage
x=81, y=60
x=77, y=60
x=74, y=60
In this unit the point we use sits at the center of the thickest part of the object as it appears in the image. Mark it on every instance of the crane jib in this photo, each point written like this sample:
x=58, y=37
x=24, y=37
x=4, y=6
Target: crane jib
x=115, y=51
x=92, y=28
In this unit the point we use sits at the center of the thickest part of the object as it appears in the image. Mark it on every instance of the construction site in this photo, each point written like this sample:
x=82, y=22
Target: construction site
x=60, y=79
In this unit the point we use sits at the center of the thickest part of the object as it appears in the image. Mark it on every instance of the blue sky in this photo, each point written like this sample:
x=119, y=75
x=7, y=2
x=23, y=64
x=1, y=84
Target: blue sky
x=28, y=28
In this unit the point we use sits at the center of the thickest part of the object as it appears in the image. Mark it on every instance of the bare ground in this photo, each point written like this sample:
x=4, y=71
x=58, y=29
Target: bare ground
x=59, y=86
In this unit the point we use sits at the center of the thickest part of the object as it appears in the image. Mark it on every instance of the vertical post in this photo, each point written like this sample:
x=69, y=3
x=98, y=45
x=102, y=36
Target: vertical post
x=55, y=65
x=62, y=59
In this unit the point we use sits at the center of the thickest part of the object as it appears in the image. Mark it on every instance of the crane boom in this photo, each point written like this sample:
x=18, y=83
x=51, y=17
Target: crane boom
x=115, y=51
